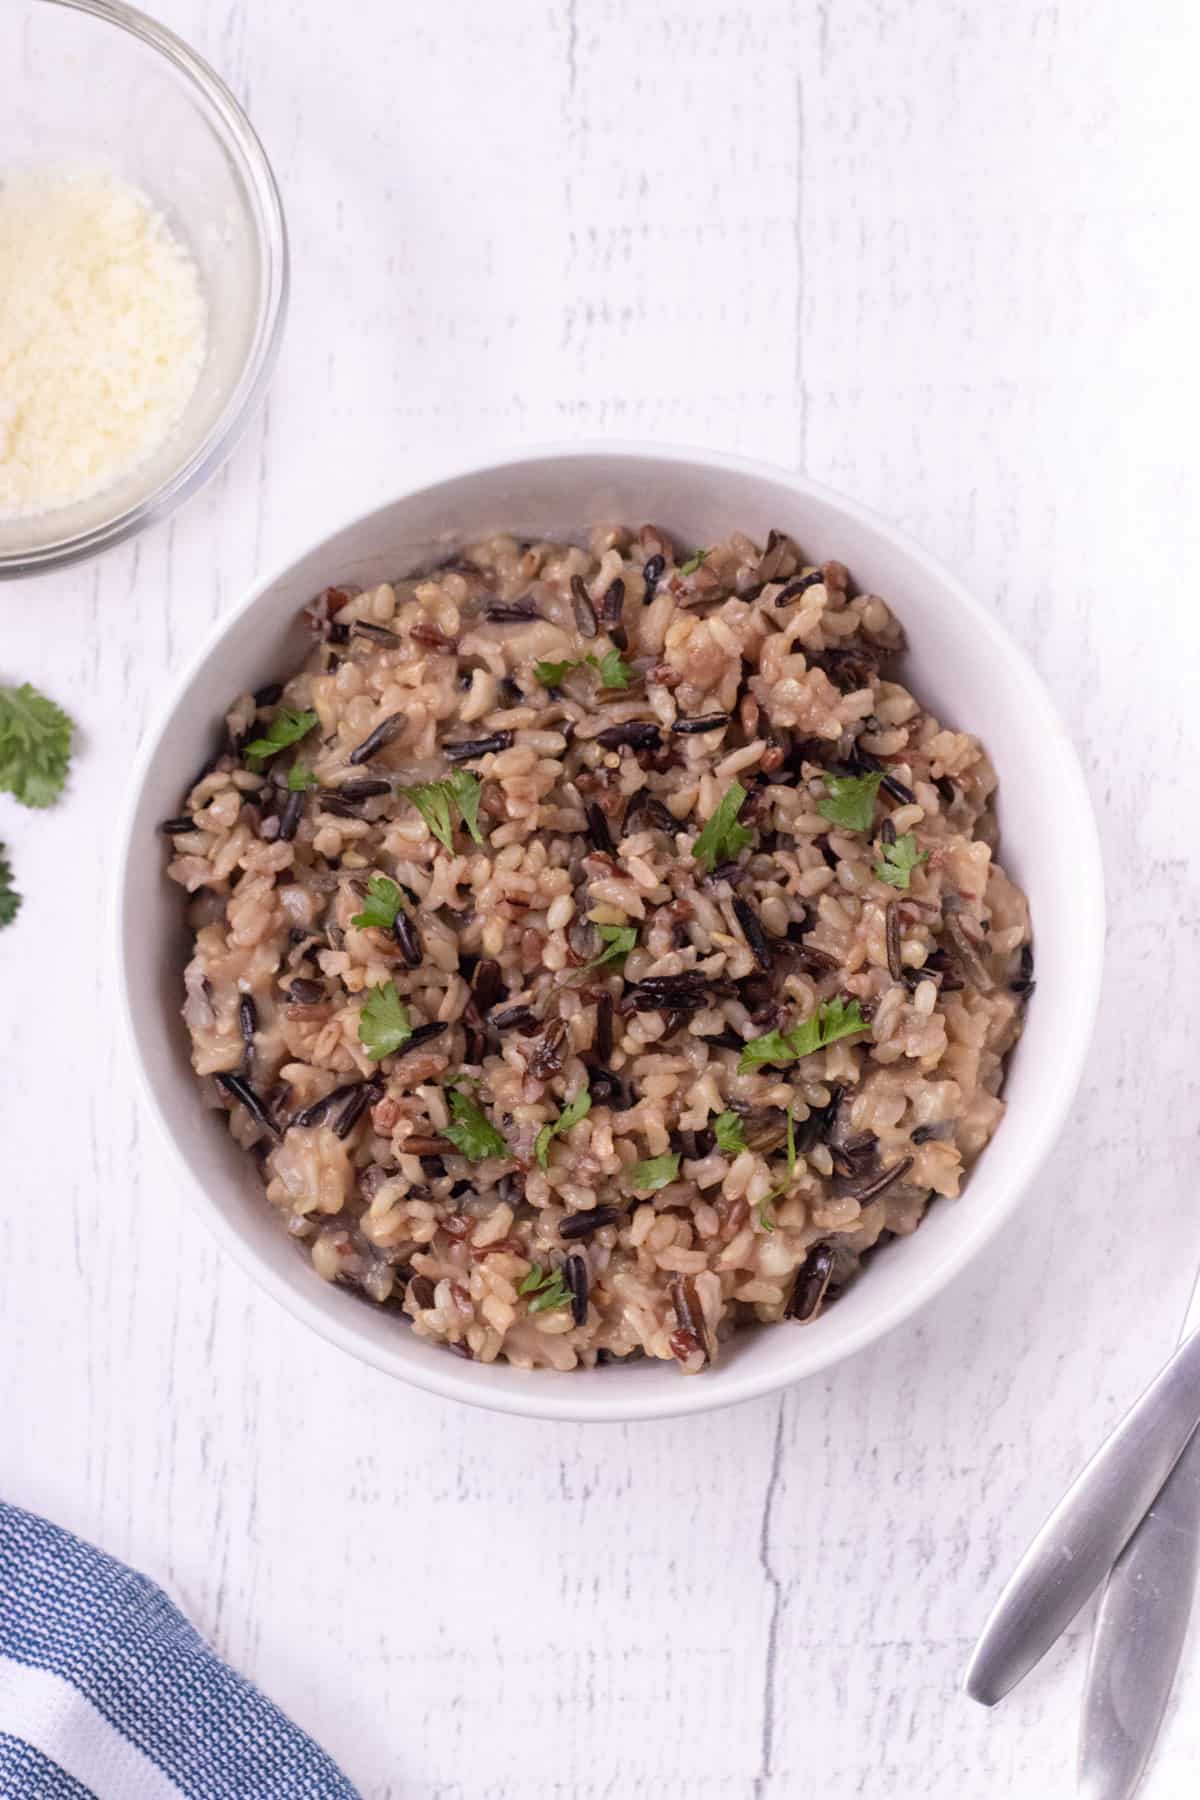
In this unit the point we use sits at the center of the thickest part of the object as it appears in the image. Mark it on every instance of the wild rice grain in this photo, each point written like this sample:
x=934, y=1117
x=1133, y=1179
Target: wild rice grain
x=379, y=739
x=598, y=830
x=587, y=1224
x=473, y=747
x=753, y=932
x=892, y=934
x=240, y=1089
x=585, y=612
x=708, y=722
x=575, y=1269
x=811, y=1284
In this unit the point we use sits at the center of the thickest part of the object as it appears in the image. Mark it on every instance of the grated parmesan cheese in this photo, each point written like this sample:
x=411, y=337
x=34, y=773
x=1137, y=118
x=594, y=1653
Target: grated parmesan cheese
x=103, y=327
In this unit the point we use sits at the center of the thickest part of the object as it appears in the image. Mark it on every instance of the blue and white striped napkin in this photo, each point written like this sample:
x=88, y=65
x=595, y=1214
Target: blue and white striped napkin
x=107, y=1693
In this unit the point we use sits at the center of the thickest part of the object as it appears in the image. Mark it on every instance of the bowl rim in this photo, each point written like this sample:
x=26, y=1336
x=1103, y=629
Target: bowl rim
x=244, y=145
x=567, y=1397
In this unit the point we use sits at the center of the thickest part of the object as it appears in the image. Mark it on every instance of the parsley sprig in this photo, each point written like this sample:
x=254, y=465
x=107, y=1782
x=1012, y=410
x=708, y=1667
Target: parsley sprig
x=545, y=1288
x=35, y=755
x=722, y=838
x=694, y=562
x=471, y=1131
x=437, y=802
x=301, y=778
x=613, y=670
x=730, y=1133
x=383, y=1024
x=10, y=900
x=618, y=941
x=572, y=1112
x=897, y=861
x=35, y=746
x=656, y=1172
x=766, y=1212
x=850, y=800
x=384, y=900
x=287, y=727
x=832, y=1020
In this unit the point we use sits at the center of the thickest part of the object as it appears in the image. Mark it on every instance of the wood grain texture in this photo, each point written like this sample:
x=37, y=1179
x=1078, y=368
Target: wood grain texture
x=943, y=256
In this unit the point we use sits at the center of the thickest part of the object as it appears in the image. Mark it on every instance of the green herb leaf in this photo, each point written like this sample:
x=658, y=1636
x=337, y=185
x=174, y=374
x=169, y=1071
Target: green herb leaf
x=730, y=1133
x=572, y=1112
x=10, y=900
x=548, y=1287
x=287, y=727
x=772, y=1047
x=466, y=789
x=766, y=1217
x=898, y=861
x=432, y=801
x=435, y=801
x=657, y=1172
x=850, y=801
x=301, y=778
x=832, y=1020
x=384, y=900
x=472, y=1132
x=618, y=941
x=383, y=1023
x=693, y=562
x=35, y=746
x=613, y=671
x=722, y=838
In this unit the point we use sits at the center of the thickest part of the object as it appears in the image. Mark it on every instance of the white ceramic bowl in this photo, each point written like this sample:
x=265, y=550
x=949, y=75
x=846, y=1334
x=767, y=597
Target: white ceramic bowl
x=960, y=661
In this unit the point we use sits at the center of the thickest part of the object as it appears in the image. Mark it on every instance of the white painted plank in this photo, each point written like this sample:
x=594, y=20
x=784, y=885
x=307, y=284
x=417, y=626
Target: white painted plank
x=943, y=255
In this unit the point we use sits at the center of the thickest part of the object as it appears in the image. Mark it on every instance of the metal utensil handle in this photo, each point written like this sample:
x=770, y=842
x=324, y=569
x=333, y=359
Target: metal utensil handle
x=1140, y=1629
x=1088, y=1529
x=1141, y=1624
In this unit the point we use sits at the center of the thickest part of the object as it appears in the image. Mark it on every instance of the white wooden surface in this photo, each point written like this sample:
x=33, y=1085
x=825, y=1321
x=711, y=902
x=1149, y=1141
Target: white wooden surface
x=944, y=257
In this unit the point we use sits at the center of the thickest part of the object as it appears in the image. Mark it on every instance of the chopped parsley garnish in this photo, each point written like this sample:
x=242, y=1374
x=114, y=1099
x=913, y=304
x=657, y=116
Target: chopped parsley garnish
x=766, y=1214
x=10, y=900
x=898, y=861
x=572, y=1112
x=730, y=1133
x=547, y=1289
x=656, y=1172
x=466, y=789
x=436, y=801
x=35, y=746
x=287, y=727
x=722, y=838
x=832, y=1020
x=694, y=562
x=618, y=941
x=301, y=778
x=471, y=1131
x=613, y=670
x=850, y=800
x=383, y=1023
x=384, y=900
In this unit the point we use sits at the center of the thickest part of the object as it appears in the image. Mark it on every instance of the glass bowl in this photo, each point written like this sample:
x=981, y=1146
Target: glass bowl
x=98, y=84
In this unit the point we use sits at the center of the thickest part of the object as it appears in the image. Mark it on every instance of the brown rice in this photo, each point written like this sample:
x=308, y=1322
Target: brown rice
x=582, y=949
